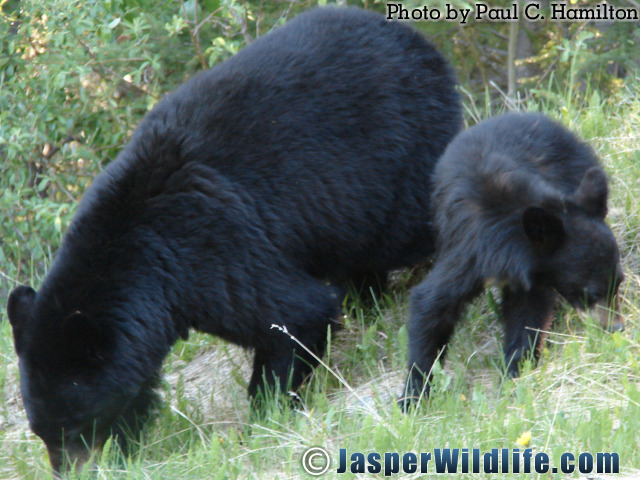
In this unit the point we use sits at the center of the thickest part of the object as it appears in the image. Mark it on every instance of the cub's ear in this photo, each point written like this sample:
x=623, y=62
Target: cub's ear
x=84, y=339
x=544, y=229
x=19, y=308
x=592, y=192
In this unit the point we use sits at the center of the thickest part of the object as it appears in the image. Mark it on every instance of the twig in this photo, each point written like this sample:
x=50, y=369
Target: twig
x=511, y=103
x=55, y=149
x=110, y=71
x=340, y=378
x=11, y=279
x=242, y=21
x=511, y=64
x=195, y=36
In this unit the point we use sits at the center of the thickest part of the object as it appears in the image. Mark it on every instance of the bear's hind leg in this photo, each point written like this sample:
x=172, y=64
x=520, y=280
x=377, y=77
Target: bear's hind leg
x=526, y=315
x=280, y=372
x=283, y=364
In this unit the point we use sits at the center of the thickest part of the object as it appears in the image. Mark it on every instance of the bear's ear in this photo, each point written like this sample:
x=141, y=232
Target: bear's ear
x=19, y=308
x=544, y=229
x=592, y=192
x=84, y=339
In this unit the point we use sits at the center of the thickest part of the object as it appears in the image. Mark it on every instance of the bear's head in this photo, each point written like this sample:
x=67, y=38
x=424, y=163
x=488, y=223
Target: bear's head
x=75, y=387
x=576, y=252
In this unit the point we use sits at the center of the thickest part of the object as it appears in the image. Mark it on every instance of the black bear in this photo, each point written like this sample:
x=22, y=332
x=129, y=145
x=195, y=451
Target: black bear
x=519, y=201
x=248, y=197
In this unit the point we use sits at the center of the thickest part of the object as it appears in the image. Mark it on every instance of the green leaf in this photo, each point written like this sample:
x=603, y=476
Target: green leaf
x=43, y=184
x=114, y=23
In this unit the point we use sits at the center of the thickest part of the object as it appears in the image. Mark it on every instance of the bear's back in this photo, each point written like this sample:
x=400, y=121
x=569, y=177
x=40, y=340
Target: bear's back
x=330, y=126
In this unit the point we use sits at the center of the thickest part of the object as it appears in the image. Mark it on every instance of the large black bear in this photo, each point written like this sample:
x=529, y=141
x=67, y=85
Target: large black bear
x=519, y=201
x=248, y=197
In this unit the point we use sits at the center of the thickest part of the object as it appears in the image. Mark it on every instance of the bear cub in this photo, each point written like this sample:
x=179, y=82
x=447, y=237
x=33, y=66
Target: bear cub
x=519, y=202
x=248, y=197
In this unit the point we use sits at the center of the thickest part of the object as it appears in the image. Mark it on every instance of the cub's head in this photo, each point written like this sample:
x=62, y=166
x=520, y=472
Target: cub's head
x=576, y=251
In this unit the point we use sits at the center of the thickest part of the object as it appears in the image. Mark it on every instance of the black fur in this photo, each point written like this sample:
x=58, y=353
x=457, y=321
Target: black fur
x=304, y=159
x=519, y=201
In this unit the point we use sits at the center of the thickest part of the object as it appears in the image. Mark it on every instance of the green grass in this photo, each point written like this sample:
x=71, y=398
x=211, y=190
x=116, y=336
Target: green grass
x=583, y=397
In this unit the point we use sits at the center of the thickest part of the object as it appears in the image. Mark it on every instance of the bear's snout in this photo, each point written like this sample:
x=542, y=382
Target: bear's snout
x=609, y=315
